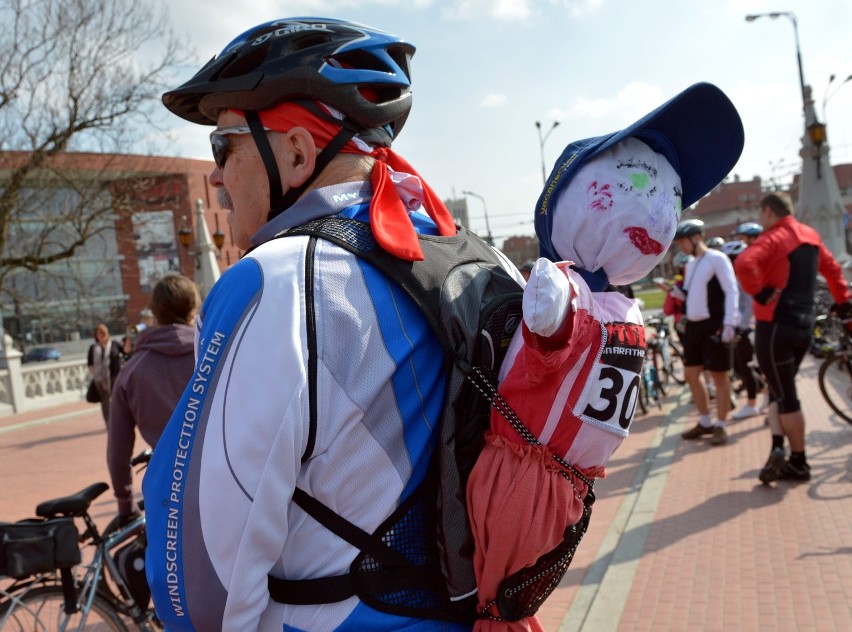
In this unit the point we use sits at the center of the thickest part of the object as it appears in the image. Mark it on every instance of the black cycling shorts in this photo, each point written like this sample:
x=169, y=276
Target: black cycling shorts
x=779, y=350
x=702, y=345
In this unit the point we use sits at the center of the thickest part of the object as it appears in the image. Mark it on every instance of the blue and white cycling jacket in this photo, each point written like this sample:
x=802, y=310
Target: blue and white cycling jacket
x=218, y=489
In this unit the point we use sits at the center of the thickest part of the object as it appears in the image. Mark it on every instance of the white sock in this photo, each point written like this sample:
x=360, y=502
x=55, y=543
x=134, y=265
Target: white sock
x=705, y=421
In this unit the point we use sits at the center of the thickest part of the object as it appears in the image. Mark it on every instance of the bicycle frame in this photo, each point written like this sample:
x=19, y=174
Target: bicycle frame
x=100, y=578
x=95, y=579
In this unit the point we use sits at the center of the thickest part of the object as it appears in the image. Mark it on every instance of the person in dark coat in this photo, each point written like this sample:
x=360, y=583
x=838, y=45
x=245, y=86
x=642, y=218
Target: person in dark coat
x=104, y=362
x=151, y=383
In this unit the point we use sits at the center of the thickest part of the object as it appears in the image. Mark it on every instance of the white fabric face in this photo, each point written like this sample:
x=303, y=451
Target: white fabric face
x=619, y=212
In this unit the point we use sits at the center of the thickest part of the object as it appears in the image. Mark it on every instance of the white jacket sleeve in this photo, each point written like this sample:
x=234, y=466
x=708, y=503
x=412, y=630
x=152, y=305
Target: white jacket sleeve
x=728, y=281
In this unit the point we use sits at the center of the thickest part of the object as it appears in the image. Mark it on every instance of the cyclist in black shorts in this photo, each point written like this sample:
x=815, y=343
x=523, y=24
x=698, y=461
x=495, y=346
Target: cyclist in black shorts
x=779, y=270
x=710, y=294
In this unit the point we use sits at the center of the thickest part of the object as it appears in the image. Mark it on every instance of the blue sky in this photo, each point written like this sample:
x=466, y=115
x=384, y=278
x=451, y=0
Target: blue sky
x=486, y=70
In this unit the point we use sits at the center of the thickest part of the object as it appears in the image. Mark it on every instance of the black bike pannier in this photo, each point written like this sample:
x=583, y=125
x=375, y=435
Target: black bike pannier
x=38, y=546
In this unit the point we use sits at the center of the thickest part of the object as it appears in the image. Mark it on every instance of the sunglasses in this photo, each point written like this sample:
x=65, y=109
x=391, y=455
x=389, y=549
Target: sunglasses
x=220, y=144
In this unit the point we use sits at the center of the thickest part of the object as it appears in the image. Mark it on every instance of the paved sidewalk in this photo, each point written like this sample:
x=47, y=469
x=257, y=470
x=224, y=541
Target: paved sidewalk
x=683, y=536
x=688, y=539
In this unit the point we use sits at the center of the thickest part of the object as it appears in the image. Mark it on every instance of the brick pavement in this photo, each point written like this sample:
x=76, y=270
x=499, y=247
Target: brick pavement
x=683, y=536
x=704, y=545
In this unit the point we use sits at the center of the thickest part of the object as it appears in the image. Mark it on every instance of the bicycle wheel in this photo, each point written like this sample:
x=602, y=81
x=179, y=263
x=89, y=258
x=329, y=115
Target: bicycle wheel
x=42, y=609
x=675, y=369
x=660, y=379
x=642, y=397
x=835, y=384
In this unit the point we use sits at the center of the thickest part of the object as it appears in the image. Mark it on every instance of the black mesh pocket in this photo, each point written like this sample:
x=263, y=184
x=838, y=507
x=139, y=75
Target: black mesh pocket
x=521, y=594
x=415, y=590
x=404, y=532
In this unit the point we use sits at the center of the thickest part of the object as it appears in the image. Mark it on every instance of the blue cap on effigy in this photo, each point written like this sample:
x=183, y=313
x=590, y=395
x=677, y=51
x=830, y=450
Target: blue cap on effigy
x=698, y=131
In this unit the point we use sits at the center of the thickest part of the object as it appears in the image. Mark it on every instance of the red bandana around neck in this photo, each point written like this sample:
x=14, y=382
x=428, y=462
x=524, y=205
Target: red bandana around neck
x=388, y=215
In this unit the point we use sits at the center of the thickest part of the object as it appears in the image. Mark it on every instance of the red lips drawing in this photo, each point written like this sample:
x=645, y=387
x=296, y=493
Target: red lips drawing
x=644, y=243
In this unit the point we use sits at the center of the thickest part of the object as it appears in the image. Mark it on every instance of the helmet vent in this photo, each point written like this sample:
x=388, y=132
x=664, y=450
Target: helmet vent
x=244, y=64
x=359, y=60
x=402, y=56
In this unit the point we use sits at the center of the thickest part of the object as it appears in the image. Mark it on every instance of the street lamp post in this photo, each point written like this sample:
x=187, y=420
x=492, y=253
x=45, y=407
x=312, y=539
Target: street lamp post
x=819, y=196
x=827, y=96
x=488, y=236
x=792, y=17
x=541, y=141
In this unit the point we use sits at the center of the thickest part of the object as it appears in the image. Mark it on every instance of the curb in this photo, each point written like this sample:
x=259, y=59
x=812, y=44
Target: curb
x=600, y=600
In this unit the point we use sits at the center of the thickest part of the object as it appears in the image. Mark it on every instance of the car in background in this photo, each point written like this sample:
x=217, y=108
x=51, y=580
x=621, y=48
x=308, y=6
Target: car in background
x=41, y=354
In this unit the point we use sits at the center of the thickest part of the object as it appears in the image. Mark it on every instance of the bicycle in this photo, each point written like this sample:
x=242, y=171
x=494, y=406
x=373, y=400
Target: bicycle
x=835, y=376
x=668, y=357
x=107, y=593
x=651, y=389
x=651, y=386
x=828, y=330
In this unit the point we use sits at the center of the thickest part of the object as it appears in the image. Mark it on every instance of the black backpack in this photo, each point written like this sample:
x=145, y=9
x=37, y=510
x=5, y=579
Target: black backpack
x=419, y=562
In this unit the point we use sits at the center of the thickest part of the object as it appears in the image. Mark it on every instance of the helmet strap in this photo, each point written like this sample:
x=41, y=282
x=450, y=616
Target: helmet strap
x=323, y=158
x=276, y=197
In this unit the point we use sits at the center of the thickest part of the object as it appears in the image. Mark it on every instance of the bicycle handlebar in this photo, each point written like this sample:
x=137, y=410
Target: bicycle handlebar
x=142, y=458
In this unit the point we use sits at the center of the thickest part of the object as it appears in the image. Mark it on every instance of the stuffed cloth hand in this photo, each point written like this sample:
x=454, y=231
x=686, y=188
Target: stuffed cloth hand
x=547, y=298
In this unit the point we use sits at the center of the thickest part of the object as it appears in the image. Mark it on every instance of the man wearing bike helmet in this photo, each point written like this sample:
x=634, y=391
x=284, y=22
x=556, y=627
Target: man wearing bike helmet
x=305, y=111
x=779, y=270
x=710, y=295
x=747, y=232
x=715, y=243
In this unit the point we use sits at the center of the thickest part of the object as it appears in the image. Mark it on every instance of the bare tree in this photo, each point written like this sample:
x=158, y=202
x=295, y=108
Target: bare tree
x=75, y=75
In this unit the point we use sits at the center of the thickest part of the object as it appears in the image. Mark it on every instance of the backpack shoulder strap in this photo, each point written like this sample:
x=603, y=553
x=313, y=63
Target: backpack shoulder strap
x=377, y=570
x=422, y=280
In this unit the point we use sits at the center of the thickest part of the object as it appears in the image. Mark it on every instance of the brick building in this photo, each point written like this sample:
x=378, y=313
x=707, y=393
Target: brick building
x=110, y=277
x=520, y=249
x=735, y=201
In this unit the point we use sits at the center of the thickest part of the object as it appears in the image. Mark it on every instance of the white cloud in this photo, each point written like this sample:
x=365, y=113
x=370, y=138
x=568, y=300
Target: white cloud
x=633, y=101
x=493, y=101
x=505, y=10
x=515, y=10
x=580, y=8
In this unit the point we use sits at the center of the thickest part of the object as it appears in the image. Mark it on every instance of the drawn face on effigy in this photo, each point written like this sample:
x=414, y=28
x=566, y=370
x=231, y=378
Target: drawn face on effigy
x=619, y=212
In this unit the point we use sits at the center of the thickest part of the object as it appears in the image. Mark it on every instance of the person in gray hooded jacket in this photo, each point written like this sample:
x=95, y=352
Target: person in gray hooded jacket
x=151, y=383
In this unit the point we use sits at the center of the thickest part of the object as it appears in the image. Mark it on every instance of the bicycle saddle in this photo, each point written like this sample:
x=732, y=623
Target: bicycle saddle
x=73, y=505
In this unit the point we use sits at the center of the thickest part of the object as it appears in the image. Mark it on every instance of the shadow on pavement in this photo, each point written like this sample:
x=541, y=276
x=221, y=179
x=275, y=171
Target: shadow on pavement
x=709, y=515
x=57, y=439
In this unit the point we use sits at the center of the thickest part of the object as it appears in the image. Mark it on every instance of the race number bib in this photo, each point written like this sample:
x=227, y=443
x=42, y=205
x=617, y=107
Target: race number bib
x=612, y=387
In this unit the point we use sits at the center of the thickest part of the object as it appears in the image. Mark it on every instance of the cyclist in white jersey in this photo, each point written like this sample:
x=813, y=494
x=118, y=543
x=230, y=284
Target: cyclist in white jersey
x=711, y=299
x=298, y=329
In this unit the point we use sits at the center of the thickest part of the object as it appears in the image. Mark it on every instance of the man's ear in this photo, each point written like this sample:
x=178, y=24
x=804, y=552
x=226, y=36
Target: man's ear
x=299, y=156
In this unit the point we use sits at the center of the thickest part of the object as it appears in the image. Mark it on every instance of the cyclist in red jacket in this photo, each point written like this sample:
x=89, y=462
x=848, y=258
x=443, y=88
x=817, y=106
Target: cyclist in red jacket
x=779, y=270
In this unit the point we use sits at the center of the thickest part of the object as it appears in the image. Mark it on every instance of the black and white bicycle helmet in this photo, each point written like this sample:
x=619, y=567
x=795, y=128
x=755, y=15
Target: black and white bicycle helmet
x=733, y=248
x=361, y=71
x=715, y=243
x=358, y=70
x=688, y=228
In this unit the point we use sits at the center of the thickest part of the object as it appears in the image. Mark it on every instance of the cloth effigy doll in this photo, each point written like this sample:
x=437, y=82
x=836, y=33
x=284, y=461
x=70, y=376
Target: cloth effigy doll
x=606, y=217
